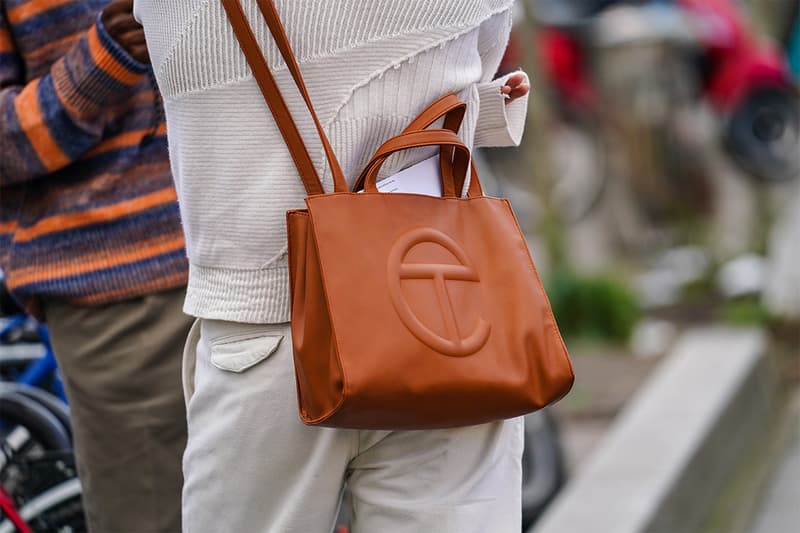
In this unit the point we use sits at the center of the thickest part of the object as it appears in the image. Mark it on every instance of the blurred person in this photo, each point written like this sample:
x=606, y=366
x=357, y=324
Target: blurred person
x=370, y=67
x=90, y=239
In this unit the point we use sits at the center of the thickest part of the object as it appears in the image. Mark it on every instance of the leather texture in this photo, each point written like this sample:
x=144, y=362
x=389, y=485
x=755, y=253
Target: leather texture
x=409, y=311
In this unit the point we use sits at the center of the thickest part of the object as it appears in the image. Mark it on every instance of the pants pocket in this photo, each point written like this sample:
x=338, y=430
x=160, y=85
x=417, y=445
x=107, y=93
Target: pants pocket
x=189, y=362
x=241, y=352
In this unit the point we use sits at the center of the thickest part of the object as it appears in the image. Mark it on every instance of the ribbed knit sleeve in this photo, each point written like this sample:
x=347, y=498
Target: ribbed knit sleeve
x=500, y=123
x=50, y=121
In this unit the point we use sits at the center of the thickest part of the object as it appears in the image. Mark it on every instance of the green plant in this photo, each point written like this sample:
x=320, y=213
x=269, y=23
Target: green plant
x=746, y=311
x=595, y=307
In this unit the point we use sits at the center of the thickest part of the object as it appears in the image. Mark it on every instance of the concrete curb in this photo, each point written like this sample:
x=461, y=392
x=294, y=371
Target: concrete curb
x=662, y=463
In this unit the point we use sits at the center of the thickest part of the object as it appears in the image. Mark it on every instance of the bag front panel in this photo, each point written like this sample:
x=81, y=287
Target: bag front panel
x=442, y=292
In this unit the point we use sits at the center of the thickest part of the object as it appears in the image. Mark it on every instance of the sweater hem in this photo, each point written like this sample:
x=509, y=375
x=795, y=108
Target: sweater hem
x=256, y=296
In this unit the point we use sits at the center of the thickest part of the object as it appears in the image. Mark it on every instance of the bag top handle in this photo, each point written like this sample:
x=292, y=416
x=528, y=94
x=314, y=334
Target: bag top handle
x=272, y=95
x=456, y=169
x=452, y=108
x=416, y=139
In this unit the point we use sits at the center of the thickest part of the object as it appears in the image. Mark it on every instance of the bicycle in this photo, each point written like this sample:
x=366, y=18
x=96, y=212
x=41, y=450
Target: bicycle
x=39, y=487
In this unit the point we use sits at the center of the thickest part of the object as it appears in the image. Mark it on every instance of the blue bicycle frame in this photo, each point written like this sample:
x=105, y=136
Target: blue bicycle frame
x=37, y=373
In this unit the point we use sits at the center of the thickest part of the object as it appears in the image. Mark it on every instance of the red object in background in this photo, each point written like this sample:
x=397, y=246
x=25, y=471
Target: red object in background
x=737, y=59
x=563, y=62
x=9, y=510
x=745, y=78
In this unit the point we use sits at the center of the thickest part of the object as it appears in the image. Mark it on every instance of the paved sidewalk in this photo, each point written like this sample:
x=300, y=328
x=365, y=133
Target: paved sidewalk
x=670, y=451
x=779, y=511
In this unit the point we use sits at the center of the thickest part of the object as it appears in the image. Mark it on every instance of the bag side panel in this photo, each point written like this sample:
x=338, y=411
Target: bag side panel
x=318, y=372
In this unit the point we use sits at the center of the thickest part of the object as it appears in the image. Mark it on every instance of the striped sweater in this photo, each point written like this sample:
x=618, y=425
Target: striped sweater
x=88, y=210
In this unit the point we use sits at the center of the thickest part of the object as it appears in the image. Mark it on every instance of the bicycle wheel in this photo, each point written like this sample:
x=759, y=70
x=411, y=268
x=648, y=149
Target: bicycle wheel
x=49, y=401
x=763, y=133
x=43, y=427
x=37, y=468
x=48, y=495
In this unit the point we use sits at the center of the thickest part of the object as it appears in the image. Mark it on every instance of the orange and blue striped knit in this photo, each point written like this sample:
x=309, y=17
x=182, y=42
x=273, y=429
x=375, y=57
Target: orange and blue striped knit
x=88, y=210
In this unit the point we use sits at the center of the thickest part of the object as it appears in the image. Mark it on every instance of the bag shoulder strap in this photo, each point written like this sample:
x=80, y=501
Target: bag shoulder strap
x=272, y=95
x=448, y=106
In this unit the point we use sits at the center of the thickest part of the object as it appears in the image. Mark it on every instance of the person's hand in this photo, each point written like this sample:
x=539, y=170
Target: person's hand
x=514, y=88
x=122, y=27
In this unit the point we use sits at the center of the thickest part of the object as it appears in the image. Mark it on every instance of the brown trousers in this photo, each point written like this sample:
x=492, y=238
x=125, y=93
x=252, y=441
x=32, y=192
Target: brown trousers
x=121, y=366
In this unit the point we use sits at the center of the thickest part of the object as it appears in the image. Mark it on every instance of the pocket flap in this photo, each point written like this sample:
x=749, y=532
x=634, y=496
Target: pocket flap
x=237, y=355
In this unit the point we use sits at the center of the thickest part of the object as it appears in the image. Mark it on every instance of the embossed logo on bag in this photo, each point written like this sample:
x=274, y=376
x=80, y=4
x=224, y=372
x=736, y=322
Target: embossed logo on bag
x=439, y=273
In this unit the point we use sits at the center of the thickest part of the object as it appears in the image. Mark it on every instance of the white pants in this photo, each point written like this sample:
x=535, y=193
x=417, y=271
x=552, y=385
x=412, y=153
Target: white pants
x=251, y=465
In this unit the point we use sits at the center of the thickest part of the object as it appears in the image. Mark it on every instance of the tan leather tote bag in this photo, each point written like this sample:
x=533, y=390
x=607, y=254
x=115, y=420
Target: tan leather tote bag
x=408, y=311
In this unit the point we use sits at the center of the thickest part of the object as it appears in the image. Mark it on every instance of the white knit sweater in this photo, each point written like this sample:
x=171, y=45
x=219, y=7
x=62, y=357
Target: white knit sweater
x=370, y=66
